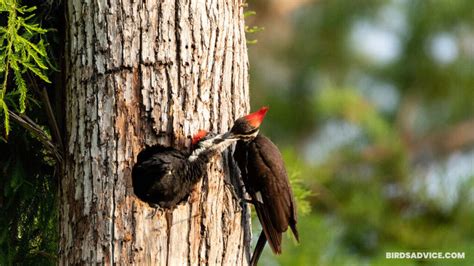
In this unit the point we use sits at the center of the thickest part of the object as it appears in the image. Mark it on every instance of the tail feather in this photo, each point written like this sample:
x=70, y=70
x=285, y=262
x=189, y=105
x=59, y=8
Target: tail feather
x=258, y=249
x=295, y=232
x=272, y=235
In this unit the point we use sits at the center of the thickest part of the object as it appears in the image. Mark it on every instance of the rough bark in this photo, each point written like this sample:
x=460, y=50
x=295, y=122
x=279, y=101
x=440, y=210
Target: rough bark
x=141, y=73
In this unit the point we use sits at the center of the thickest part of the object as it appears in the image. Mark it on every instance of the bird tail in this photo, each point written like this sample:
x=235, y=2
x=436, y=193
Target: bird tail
x=258, y=249
x=295, y=232
x=272, y=235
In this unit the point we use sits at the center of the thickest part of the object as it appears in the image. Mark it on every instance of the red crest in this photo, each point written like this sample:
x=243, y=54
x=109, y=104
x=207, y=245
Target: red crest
x=256, y=118
x=198, y=136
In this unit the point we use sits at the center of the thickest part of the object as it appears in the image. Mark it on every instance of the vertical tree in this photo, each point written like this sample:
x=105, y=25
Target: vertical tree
x=140, y=73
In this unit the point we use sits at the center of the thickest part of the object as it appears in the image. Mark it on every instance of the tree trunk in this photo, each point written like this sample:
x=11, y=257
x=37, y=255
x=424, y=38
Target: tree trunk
x=141, y=73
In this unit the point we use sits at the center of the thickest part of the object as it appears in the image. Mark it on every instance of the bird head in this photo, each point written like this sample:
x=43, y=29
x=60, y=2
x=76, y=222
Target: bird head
x=203, y=139
x=246, y=127
x=201, y=134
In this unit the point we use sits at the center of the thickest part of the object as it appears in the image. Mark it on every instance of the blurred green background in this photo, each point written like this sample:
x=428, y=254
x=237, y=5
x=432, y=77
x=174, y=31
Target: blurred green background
x=372, y=104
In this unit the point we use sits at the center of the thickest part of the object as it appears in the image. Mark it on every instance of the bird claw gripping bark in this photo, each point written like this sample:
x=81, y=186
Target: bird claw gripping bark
x=235, y=197
x=248, y=201
x=155, y=207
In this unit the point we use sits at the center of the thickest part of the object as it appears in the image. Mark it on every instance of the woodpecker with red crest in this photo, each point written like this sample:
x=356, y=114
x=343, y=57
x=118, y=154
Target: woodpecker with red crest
x=266, y=181
x=165, y=176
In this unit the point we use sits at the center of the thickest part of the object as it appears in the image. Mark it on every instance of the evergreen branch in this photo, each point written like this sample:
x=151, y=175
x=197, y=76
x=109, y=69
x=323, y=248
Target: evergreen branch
x=52, y=119
x=36, y=130
x=49, y=112
x=7, y=117
x=19, y=53
x=30, y=45
x=46, y=255
x=20, y=83
x=37, y=71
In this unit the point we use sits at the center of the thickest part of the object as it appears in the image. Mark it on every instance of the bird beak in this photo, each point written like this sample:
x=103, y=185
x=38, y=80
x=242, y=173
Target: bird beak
x=230, y=136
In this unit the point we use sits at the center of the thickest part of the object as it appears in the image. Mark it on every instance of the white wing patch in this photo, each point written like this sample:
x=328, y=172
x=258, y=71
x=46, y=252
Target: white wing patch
x=258, y=197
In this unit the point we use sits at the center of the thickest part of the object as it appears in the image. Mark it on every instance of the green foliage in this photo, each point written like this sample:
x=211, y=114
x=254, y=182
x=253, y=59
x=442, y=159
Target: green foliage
x=351, y=106
x=21, y=50
x=300, y=191
x=249, y=13
x=28, y=203
x=253, y=29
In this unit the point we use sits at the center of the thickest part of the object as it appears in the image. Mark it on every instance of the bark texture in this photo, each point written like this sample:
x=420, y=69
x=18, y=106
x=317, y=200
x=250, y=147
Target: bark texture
x=147, y=72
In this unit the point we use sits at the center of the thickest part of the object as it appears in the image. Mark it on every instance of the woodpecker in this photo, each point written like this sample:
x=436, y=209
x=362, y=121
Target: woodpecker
x=266, y=181
x=165, y=176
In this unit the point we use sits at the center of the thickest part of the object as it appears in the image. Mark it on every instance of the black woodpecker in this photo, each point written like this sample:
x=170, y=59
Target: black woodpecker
x=266, y=181
x=165, y=176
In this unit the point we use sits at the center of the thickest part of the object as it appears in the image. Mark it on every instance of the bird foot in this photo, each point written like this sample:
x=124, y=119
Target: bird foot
x=248, y=201
x=235, y=197
x=155, y=207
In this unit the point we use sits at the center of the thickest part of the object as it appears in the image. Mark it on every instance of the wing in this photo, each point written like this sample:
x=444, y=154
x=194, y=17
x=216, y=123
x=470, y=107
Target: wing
x=241, y=154
x=265, y=178
x=266, y=170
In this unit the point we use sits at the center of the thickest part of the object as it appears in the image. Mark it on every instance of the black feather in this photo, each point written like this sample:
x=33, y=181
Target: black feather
x=165, y=176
